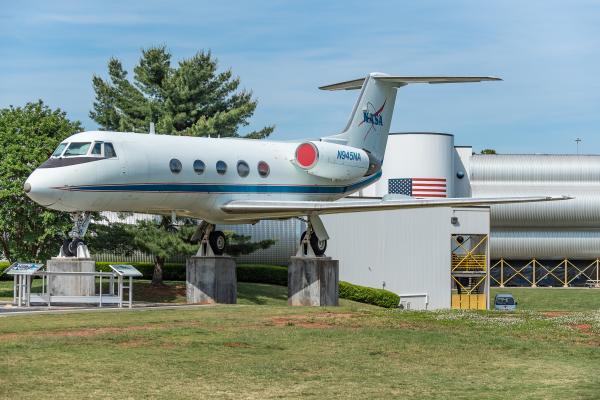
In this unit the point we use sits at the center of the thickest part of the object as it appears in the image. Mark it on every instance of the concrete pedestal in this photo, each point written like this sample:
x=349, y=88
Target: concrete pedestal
x=313, y=281
x=62, y=285
x=211, y=280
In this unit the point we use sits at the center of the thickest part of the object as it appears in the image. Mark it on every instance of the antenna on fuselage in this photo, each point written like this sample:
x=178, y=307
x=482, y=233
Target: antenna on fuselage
x=152, y=132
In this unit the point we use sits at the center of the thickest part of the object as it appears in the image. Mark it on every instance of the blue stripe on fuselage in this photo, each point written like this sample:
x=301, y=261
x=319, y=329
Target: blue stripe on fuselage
x=221, y=188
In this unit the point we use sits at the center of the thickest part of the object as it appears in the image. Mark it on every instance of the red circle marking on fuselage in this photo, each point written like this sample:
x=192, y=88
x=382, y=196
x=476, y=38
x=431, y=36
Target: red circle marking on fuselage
x=306, y=155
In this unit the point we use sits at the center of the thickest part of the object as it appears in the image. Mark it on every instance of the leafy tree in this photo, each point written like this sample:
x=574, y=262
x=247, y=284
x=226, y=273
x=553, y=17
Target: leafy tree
x=28, y=135
x=191, y=99
x=488, y=151
x=154, y=238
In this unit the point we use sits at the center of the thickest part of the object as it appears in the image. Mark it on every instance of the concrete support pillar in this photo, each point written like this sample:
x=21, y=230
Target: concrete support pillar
x=313, y=281
x=63, y=285
x=211, y=280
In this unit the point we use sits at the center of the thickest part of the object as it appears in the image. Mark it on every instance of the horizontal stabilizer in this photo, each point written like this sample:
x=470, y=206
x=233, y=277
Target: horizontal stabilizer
x=405, y=80
x=280, y=209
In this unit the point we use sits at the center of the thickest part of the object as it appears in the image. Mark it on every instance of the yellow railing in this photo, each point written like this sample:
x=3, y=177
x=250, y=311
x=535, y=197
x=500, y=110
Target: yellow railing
x=469, y=262
x=533, y=272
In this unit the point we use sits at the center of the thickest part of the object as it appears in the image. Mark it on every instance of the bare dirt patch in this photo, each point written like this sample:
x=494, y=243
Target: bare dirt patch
x=554, y=314
x=583, y=328
x=134, y=343
x=315, y=321
x=237, y=344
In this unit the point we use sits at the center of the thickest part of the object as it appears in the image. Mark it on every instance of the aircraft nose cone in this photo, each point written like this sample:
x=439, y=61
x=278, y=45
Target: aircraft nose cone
x=38, y=188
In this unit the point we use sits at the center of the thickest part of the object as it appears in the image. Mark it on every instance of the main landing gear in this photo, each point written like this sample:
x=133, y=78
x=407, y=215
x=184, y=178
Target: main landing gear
x=212, y=242
x=313, y=241
x=74, y=246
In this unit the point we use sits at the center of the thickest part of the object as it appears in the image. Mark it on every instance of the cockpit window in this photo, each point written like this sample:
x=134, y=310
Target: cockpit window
x=97, y=149
x=109, y=150
x=59, y=150
x=77, y=149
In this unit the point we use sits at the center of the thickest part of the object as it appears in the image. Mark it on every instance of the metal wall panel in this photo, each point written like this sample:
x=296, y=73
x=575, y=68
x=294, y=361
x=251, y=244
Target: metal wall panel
x=545, y=244
x=406, y=251
x=286, y=234
x=539, y=174
x=551, y=230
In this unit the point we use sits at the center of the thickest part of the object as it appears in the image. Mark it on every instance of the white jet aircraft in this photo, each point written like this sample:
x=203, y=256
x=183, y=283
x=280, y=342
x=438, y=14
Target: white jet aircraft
x=232, y=181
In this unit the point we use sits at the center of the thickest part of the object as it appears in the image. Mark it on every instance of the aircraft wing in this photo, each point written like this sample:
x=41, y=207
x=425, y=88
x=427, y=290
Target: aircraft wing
x=282, y=209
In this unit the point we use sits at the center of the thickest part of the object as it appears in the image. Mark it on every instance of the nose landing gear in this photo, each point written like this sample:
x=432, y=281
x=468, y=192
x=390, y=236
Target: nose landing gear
x=75, y=246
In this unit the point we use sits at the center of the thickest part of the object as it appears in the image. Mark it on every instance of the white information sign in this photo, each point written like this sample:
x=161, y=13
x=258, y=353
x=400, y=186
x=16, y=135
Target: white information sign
x=125, y=270
x=23, y=268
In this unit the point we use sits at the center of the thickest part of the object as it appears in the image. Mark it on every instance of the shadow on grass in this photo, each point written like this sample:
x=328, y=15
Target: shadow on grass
x=170, y=292
x=261, y=294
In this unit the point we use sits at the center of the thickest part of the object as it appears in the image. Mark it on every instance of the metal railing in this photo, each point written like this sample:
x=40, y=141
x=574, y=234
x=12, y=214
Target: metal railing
x=536, y=273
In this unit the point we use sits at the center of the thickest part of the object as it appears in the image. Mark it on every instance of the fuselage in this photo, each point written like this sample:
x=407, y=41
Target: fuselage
x=190, y=176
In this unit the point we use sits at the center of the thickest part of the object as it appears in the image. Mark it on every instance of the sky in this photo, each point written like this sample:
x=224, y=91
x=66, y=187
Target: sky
x=546, y=52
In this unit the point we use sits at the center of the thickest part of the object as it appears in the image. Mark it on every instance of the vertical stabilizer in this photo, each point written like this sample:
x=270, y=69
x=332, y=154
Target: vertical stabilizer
x=369, y=123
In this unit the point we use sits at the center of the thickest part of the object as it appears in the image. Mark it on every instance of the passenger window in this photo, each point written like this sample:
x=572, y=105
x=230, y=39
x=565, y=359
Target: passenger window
x=77, y=149
x=97, y=149
x=221, y=167
x=243, y=169
x=199, y=167
x=59, y=150
x=109, y=150
x=263, y=169
x=175, y=166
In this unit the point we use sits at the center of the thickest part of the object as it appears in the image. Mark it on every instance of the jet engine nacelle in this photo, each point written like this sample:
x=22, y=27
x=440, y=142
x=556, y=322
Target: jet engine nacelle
x=332, y=161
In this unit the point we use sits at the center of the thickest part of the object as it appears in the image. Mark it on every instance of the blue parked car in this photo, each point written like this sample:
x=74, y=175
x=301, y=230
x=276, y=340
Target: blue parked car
x=504, y=301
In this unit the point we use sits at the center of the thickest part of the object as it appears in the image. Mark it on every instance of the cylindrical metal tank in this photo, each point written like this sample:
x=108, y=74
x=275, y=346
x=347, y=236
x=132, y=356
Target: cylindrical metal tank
x=418, y=155
x=525, y=244
x=550, y=230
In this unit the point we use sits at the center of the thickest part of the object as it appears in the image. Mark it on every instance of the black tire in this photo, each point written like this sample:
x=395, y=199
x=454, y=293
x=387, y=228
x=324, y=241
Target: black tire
x=217, y=242
x=172, y=228
x=318, y=246
x=69, y=247
x=65, y=248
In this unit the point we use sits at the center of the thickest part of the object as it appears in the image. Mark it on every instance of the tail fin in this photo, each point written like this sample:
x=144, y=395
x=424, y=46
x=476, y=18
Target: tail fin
x=369, y=123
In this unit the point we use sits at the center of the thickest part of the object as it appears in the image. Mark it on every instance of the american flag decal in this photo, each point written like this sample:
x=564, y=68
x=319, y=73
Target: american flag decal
x=418, y=187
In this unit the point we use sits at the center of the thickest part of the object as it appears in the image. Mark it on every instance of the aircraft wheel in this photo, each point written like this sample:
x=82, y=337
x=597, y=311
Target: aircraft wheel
x=318, y=246
x=217, y=242
x=69, y=247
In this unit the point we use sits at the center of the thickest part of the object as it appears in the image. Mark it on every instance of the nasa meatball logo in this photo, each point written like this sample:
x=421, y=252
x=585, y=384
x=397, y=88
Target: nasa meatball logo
x=372, y=117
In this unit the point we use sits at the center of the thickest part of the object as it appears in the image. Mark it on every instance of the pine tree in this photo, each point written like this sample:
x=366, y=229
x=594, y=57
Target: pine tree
x=192, y=99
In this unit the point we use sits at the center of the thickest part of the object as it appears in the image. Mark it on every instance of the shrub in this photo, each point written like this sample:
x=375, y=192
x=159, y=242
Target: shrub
x=3, y=266
x=257, y=273
x=171, y=272
x=363, y=294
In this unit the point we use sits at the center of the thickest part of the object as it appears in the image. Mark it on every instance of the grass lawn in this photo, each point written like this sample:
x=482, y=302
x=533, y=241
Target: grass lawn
x=262, y=349
x=553, y=299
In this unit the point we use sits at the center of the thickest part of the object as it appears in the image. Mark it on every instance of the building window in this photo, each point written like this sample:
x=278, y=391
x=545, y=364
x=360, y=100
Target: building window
x=175, y=166
x=199, y=167
x=109, y=151
x=243, y=168
x=263, y=169
x=221, y=167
